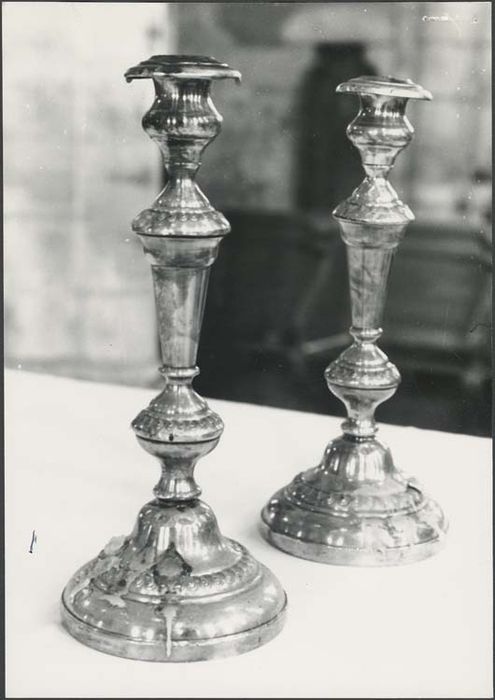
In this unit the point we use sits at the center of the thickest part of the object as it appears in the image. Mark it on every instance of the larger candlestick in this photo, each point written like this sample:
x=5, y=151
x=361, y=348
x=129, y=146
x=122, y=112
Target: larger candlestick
x=176, y=589
x=356, y=507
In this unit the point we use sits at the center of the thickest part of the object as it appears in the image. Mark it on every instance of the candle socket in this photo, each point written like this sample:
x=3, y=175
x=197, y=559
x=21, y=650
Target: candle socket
x=356, y=507
x=176, y=589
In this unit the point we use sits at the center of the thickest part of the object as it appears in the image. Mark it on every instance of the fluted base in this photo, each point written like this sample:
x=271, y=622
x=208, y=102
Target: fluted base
x=355, y=508
x=174, y=590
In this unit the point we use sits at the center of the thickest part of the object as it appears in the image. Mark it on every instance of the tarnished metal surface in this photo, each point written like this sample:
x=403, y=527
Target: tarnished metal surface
x=176, y=589
x=356, y=507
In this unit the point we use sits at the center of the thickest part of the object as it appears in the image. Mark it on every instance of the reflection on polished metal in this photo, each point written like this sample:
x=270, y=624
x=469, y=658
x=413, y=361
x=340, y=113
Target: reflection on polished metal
x=356, y=507
x=176, y=589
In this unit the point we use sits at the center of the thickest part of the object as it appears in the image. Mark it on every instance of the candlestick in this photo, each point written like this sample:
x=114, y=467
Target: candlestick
x=356, y=507
x=176, y=589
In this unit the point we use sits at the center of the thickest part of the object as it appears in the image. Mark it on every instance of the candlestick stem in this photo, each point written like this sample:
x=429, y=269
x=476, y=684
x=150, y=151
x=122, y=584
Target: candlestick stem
x=356, y=507
x=176, y=589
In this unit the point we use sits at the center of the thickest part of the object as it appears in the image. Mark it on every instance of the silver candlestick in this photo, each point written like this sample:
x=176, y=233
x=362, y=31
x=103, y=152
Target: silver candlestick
x=176, y=589
x=356, y=507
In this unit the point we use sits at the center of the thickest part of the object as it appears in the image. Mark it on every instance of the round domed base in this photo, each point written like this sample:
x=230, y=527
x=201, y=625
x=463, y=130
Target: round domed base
x=380, y=549
x=174, y=590
x=328, y=515
x=134, y=644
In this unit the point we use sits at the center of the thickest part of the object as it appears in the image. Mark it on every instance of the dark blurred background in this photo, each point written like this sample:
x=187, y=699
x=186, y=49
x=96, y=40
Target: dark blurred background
x=78, y=168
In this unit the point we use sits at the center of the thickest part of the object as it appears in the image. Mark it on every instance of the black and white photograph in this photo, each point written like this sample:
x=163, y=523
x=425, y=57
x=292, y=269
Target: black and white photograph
x=248, y=349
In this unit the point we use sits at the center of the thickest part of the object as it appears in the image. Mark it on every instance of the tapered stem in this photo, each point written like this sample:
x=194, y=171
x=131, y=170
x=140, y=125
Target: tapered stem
x=180, y=296
x=368, y=276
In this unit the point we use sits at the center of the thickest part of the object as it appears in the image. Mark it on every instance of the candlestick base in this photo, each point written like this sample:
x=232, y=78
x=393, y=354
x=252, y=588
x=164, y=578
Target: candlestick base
x=355, y=508
x=174, y=590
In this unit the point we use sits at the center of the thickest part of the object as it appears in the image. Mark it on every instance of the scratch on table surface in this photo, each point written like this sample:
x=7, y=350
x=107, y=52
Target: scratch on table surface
x=34, y=539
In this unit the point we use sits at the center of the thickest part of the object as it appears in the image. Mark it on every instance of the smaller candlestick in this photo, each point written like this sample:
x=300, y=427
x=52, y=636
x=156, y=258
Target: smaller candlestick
x=356, y=507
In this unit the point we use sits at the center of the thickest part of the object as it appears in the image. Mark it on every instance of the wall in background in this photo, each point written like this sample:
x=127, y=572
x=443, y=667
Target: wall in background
x=446, y=47
x=77, y=169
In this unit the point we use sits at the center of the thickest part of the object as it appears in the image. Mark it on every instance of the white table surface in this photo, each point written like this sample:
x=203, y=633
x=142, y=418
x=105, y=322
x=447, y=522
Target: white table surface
x=76, y=475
